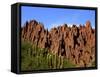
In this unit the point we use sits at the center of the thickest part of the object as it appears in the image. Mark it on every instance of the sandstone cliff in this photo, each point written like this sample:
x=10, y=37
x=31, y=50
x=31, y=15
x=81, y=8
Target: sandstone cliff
x=77, y=44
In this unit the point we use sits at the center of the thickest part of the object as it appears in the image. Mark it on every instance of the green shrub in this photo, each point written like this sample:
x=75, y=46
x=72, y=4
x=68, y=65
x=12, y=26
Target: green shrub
x=35, y=58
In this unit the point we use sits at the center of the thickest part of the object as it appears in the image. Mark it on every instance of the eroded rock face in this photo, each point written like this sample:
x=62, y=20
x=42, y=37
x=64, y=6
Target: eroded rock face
x=75, y=43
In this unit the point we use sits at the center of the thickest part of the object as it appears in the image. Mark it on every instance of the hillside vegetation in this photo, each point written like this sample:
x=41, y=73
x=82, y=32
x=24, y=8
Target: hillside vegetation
x=35, y=58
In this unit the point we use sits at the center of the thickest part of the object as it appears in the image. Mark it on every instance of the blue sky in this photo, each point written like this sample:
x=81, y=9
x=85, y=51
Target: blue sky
x=51, y=17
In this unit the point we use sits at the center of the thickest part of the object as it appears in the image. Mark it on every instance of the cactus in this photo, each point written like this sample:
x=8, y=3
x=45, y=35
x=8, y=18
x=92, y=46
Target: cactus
x=35, y=58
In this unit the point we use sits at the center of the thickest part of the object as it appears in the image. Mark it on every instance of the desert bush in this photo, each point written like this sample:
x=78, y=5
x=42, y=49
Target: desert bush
x=35, y=58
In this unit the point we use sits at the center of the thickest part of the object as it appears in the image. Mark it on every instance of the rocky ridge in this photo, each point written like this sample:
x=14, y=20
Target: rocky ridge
x=77, y=44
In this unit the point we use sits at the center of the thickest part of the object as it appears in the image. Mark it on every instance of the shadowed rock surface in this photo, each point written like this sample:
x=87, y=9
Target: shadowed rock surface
x=77, y=44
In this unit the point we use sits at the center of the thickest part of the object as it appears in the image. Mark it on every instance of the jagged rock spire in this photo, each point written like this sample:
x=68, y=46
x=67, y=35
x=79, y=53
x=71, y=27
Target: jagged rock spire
x=75, y=43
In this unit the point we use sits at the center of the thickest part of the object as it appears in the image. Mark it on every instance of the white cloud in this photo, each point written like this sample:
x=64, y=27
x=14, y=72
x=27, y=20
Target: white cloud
x=60, y=24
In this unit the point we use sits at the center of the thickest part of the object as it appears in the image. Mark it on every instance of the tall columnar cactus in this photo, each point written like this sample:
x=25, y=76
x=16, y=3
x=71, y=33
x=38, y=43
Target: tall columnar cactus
x=35, y=58
x=55, y=61
x=61, y=65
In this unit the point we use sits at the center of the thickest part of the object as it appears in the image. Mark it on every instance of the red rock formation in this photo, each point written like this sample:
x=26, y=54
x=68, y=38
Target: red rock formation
x=75, y=43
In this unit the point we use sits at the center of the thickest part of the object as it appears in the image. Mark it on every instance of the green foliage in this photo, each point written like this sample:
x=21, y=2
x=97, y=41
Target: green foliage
x=93, y=64
x=35, y=58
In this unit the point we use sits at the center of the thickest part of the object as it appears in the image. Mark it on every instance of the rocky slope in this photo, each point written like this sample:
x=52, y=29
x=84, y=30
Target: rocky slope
x=77, y=44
